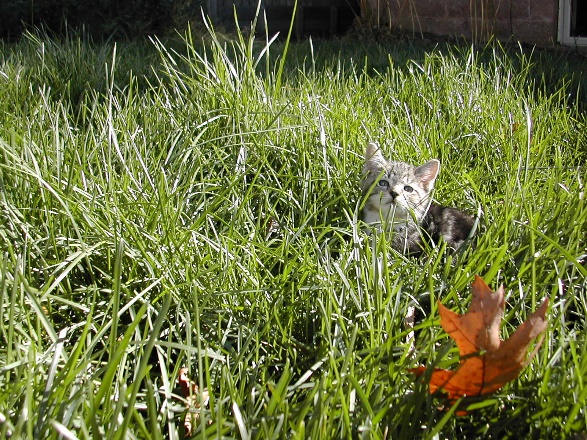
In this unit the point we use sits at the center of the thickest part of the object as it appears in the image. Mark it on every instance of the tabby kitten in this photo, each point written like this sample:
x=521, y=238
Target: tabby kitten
x=398, y=195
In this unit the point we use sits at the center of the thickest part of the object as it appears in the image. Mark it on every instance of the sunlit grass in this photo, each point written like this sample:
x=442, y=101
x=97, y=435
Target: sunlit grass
x=196, y=204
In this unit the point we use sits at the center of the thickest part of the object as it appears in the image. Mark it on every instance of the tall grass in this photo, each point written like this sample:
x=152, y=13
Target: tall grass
x=197, y=205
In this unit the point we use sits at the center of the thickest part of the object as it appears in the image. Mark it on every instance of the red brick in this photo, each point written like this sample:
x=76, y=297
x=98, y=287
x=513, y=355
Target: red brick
x=545, y=10
x=512, y=9
x=543, y=33
x=459, y=8
x=456, y=27
x=530, y=21
x=430, y=8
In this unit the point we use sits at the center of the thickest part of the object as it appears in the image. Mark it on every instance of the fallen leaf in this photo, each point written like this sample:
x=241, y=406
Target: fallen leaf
x=486, y=362
x=193, y=398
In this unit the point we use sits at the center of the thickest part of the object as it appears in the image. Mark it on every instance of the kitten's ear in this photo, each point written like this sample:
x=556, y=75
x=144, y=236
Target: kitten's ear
x=374, y=160
x=427, y=173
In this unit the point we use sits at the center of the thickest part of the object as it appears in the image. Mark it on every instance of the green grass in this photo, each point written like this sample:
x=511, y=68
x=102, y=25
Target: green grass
x=140, y=184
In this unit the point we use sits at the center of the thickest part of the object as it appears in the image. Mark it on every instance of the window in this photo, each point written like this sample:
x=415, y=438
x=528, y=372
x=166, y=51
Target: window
x=572, y=22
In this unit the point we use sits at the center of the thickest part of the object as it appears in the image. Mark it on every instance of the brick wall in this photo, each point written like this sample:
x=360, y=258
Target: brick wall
x=529, y=21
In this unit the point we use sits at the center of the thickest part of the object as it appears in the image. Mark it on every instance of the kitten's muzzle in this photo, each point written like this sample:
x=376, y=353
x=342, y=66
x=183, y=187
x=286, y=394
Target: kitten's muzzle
x=393, y=194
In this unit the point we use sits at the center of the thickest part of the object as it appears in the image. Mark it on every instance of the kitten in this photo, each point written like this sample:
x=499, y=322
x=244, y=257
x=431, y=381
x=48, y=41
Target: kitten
x=398, y=195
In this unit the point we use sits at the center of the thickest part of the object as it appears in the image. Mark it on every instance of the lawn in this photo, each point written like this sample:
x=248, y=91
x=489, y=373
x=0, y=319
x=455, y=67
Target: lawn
x=195, y=203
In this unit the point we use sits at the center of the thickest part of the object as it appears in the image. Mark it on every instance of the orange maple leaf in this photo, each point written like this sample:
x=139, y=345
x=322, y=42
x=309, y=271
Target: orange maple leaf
x=486, y=362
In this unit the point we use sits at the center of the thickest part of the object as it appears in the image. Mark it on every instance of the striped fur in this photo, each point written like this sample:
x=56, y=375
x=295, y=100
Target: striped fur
x=398, y=195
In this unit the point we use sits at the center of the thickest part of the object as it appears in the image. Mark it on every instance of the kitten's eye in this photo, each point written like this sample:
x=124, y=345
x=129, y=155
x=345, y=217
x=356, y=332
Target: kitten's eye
x=408, y=189
x=383, y=184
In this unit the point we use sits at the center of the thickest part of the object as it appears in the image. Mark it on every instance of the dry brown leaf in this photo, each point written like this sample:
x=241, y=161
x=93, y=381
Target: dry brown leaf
x=486, y=362
x=194, y=399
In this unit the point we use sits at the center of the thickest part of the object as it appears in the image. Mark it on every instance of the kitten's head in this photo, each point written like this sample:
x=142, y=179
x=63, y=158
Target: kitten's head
x=396, y=190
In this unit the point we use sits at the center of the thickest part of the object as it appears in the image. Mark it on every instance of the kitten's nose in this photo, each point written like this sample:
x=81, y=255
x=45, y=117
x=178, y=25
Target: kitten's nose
x=393, y=194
